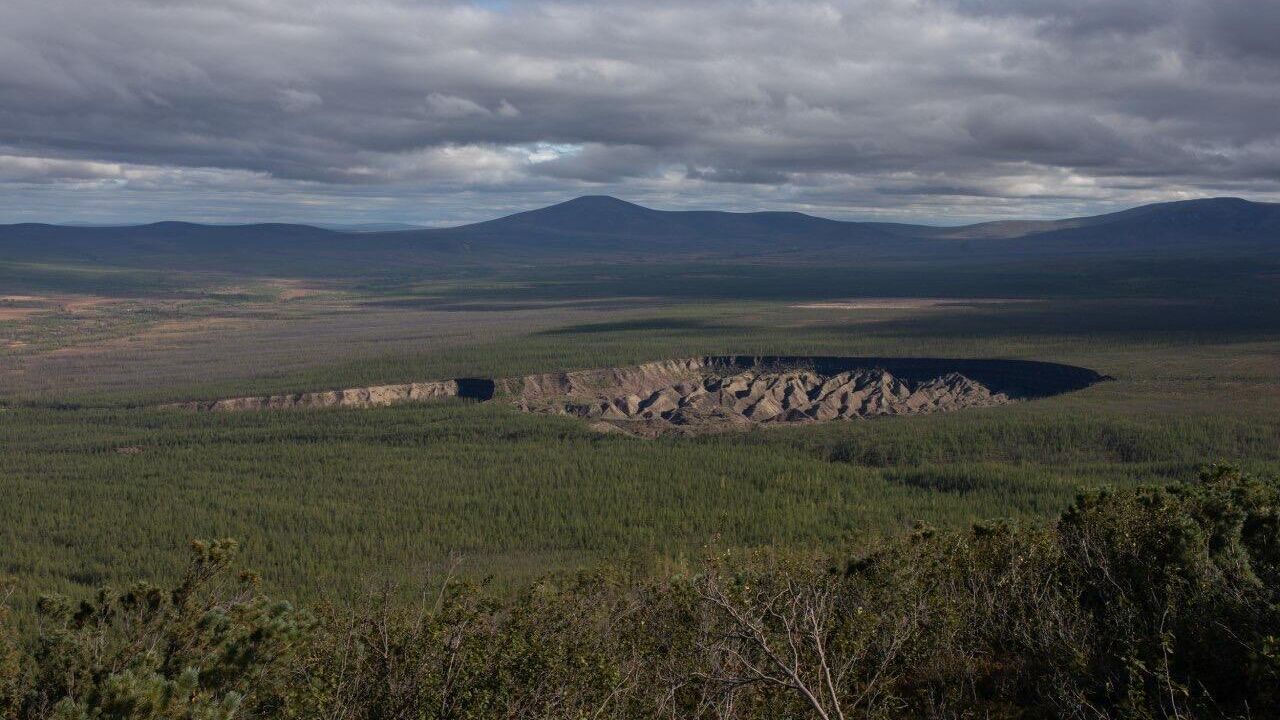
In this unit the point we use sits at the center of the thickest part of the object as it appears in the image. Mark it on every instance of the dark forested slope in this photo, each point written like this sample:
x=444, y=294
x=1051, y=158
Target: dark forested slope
x=599, y=228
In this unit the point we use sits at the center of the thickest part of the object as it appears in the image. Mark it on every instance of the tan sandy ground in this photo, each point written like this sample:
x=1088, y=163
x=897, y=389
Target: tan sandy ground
x=291, y=289
x=29, y=304
x=83, y=303
x=164, y=333
x=18, y=313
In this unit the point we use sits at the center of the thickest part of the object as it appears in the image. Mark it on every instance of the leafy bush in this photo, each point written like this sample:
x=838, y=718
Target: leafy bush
x=211, y=648
x=1156, y=603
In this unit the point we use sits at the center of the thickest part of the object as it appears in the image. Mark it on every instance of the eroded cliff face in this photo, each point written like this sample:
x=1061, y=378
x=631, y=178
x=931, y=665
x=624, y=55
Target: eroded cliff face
x=702, y=394
x=375, y=396
x=635, y=379
x=710, y=400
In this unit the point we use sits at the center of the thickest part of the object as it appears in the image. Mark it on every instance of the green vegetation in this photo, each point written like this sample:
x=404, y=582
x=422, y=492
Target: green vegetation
x=359, y=516
x=101, y=488
x=1198, y=279
x=1152, y=603
x=80, y=277
x=329, y=500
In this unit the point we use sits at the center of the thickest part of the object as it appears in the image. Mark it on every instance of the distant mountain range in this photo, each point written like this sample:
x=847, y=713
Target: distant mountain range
x=599, y=228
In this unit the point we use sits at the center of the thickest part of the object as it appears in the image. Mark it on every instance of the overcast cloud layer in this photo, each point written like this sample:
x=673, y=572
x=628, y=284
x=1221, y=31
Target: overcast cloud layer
x=396, y=110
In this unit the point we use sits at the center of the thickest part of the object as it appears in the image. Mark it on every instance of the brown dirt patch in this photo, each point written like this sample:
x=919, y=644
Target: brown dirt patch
x=157, y=335
x=86, y=303
x=46, y=303
x=291, y=289
x=18, y=313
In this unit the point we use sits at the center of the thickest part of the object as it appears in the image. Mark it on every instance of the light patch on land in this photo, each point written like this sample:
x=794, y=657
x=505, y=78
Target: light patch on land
x=85, y=303
x=157, y=336
x=18, y=307
x=292, y=289
x=295, y=293
x=17, y=313
x=45, y=303
x=903, y=303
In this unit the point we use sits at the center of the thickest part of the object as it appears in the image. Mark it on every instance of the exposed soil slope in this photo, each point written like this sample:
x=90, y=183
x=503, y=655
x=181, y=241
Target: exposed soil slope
x=375, y=396
x=713, y=400
x=605, y=381
x=705, y=394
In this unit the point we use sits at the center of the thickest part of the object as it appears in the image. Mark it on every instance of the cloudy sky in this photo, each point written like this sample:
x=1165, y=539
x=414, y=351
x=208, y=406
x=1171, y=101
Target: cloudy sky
x=442, y=112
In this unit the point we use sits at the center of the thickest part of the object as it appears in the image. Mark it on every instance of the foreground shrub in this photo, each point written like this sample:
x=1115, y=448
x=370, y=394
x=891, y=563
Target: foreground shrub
x=213, y=647
x=1159, y=603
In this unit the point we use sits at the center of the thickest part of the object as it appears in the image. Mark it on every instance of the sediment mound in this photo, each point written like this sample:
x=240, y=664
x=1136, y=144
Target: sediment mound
x=766, y=396
x=704, y=394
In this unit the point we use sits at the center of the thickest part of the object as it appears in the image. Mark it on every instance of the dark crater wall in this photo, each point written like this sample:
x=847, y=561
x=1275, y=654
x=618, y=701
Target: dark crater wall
x=481, y=389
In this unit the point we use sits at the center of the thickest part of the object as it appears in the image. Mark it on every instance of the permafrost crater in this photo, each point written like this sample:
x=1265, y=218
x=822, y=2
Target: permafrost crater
x=706, y=394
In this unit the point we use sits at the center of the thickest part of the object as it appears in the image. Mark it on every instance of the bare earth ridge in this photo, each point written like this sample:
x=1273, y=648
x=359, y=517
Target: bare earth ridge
x=752, y=397
x=375, y=396
x=684, y=395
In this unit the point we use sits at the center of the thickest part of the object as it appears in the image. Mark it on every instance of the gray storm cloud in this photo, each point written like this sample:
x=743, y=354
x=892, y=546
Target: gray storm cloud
x=438, y=112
